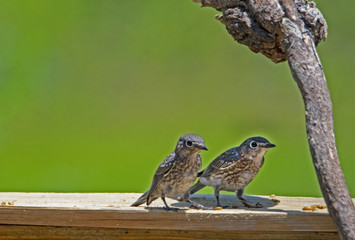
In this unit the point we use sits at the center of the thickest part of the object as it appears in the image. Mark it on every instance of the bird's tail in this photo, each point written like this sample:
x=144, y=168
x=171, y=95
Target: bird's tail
x=142, y=199
x=196, y=187
x=145, y=198
x=150, y=199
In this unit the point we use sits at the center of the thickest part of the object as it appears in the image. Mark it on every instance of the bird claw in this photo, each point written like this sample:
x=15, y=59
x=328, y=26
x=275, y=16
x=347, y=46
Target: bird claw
x=258, y=205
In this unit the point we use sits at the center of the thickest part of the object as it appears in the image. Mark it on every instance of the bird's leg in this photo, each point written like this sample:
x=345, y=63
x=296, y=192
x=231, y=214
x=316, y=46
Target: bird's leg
x=216, y=194
x=167, y=207
x=194, y=204
x=245, y=202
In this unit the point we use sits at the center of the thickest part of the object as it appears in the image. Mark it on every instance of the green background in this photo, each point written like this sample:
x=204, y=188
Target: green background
x=95, y=94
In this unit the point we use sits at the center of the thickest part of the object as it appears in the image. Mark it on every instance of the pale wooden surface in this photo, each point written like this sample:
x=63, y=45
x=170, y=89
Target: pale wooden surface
x=86, y=215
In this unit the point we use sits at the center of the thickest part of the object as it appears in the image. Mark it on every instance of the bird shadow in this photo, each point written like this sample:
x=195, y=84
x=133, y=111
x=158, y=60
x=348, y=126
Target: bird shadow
x=230, y=202
x=180, y=209
x=227, y=201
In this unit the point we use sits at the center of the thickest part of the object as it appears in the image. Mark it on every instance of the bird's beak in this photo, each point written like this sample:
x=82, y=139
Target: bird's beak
x=202, y=147
x=269, y=145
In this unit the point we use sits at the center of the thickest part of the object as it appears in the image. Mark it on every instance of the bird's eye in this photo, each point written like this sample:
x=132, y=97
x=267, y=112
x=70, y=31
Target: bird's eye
x=253, y=144
x=188, y=143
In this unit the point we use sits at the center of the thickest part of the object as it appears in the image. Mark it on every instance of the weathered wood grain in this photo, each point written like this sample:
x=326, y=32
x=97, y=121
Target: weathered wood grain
x=109, y=216
x=70, y=233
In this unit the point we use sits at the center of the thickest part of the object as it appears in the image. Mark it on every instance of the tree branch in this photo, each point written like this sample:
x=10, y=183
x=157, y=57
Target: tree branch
x=290, y=30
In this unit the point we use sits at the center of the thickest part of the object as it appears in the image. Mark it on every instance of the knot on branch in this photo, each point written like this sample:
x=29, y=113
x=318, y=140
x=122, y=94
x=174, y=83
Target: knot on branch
x=257, y=24
x=314, y=20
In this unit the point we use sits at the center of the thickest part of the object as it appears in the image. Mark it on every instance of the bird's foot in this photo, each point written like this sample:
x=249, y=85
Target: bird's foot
x=249, y=205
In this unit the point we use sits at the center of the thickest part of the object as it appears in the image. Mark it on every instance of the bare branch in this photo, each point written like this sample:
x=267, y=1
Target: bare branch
x=290, y=30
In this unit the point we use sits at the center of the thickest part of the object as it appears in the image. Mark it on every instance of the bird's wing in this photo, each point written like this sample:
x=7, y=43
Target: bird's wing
x=222, y=161
x=162, y=170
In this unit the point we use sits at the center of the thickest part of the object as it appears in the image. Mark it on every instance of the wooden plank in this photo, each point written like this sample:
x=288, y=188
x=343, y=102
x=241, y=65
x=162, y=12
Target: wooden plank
x=83, y=213
x=71, y=233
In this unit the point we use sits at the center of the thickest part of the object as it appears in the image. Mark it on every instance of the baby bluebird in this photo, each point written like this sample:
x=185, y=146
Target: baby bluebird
x=177, y=173
x=234, y=169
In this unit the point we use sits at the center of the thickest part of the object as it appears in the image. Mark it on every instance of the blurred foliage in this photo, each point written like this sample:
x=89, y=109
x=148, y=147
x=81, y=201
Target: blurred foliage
x=95, y=94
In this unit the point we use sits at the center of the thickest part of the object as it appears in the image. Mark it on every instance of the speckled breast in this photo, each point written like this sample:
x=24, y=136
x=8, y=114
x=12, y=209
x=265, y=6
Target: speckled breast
x=237, y=176
x=181, y=177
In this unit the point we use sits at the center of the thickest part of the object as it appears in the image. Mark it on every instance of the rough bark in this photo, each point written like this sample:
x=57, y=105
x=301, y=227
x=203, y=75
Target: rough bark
x=290, y=30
